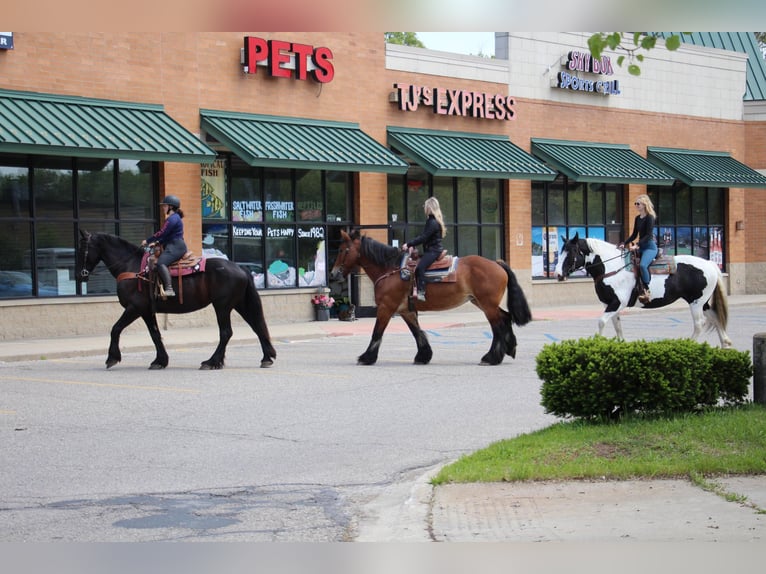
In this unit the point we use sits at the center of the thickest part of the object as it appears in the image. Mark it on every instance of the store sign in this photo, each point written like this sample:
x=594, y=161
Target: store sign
x=448, y=102
x=575, y=61
x=6, y=40
x=287, y=59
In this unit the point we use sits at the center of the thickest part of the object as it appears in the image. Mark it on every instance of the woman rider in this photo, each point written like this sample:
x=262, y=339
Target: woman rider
x=171, y=237
x=643, y=229
x=431, y=239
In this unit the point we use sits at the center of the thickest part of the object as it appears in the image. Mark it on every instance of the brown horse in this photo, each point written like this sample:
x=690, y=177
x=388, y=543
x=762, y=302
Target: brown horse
x=481, y=281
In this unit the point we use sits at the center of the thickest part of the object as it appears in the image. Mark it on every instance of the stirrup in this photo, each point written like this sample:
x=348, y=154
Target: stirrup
x=168, y=292
x=421, y=296
x=645, y=296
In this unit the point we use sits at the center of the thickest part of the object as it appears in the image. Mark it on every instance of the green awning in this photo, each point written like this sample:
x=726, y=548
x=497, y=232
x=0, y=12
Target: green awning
x=46, y=124
x=458, y=154
x=599, y=162
x=705, y=168
x=275, y=141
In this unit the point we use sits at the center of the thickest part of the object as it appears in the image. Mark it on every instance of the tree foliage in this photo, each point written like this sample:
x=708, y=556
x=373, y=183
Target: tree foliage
x=404, y=39
x=631, y=44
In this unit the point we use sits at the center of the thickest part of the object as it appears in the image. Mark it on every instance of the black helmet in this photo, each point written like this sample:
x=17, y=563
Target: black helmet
x=171, y=200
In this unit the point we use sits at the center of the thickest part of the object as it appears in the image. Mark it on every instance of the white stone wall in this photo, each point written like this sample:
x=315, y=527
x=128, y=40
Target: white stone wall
x=692, y=80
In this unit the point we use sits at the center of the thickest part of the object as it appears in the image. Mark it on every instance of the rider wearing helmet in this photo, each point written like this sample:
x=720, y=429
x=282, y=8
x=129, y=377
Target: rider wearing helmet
x=171, y=237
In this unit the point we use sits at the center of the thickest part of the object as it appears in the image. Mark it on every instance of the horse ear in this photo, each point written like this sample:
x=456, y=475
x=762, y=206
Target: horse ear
x=344, y=236
x=576, y=237
x=84, y=234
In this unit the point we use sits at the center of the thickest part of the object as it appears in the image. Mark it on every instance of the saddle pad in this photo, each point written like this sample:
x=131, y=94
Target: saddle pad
x=187, y=267
x=664, y=265
x=443, y=270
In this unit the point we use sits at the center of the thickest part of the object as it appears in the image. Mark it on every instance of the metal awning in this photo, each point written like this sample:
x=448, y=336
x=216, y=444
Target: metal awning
x=276, y=141
x=705, y=168
x=599, y=162
x=47, y=124
x=459, y=154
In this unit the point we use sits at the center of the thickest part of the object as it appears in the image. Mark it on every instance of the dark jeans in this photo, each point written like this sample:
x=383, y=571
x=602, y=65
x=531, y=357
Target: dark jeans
x=424, y=262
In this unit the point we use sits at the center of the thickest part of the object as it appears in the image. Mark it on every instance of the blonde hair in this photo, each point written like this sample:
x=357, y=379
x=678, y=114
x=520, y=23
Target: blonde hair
x=646, y=200
x=431, y=207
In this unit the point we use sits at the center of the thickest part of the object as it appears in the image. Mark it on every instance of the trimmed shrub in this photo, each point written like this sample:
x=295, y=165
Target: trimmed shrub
x=597, y=376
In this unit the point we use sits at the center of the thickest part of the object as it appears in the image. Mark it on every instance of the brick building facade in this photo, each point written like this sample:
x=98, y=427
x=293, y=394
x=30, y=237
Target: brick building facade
x=383, y=114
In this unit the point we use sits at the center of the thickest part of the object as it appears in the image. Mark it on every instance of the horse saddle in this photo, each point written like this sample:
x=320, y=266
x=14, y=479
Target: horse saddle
x=661, y=265
x=187, y=265
x=443, y=270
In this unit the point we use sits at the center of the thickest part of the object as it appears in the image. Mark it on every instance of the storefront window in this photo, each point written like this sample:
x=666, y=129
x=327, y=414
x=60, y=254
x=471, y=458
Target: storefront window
x=135, y=192
x=45, y=201
x=703, y=207
x=280, y=219
x=590, y=210
x=471, y=208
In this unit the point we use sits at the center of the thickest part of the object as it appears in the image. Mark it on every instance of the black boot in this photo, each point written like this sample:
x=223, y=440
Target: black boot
x=164, y=274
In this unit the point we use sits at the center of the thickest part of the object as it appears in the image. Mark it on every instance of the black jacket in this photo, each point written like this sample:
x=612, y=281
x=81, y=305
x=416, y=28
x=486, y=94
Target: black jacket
x=431, y=238
x=643, y=228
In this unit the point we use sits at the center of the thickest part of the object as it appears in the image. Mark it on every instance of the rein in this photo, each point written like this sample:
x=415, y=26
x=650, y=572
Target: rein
x=588, y=266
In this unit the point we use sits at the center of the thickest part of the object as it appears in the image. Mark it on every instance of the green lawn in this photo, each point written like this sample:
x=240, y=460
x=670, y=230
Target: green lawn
x=711, y=443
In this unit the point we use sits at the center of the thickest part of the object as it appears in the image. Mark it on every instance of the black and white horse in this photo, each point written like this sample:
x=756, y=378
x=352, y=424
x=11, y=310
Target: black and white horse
x=697, y=281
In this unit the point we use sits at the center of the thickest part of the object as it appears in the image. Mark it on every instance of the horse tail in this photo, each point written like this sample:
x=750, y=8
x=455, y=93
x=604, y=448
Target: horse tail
x=252, y=311
x=518, y=306
x=721, y=303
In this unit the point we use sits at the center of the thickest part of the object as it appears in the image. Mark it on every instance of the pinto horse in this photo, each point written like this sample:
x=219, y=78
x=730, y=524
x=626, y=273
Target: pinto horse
x=481, y=281
x=697, y=281
x=223, y=284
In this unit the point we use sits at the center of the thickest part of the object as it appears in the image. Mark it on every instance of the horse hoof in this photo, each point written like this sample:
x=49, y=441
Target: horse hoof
x=156, y=367
x=266, y=364
x=111, y=363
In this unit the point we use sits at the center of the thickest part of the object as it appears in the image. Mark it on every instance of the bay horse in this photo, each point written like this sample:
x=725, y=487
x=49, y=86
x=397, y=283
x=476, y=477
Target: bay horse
x=481, y=281
x=697, y=281
x=223, y=284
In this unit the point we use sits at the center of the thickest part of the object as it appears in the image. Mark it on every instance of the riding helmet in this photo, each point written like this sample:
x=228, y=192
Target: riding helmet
x=171, y=200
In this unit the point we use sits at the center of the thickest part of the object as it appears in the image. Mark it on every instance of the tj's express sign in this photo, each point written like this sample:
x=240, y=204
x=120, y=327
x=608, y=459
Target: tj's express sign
x=288, y=59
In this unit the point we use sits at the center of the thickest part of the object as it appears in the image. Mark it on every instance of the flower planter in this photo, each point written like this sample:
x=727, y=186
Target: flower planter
x=322, y=314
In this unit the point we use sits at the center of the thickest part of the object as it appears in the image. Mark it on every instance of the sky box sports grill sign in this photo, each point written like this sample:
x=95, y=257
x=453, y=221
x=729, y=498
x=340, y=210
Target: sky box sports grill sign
x=287, y=59
x=448, y=102
x=584, y=62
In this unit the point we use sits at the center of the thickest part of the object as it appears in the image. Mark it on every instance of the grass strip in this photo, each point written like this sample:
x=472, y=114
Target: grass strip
x=715, y=442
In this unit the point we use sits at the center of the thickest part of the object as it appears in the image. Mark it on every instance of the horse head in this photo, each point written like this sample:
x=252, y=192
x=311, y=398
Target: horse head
x=348, y=256
x=571, y=257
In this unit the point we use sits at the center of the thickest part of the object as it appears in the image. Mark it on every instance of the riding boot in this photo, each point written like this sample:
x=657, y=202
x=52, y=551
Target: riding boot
x=645, y=295
x=421, y=292
x=164, y=274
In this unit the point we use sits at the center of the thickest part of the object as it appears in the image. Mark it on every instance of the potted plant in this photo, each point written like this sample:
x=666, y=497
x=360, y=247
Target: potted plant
x=322, y=304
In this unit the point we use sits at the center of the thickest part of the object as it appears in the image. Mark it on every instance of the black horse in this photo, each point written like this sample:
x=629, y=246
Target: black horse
x=223, y=284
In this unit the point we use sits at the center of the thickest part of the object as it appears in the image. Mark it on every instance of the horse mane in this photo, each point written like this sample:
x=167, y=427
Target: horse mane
x=598, y=246
x=379, y=253
x=118, y=242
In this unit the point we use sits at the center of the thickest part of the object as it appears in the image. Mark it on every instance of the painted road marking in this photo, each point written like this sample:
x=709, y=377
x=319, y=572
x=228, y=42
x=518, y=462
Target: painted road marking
x=91, y=384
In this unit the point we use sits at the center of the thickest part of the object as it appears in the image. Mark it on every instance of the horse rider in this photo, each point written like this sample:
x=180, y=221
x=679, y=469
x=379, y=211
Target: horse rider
x=643, y=229
x=171, y=238
x=431, y=239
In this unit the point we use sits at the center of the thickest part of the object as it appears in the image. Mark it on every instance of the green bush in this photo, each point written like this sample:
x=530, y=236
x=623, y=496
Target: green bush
x=596, y=377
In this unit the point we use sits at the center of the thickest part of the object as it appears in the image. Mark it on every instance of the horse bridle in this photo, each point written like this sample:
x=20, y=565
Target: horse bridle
x=84, y=273
x=587, y=267
x=343, y=261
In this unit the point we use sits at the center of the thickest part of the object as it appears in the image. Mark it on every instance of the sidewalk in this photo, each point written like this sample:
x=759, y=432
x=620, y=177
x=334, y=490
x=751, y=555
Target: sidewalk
x=136, y=337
